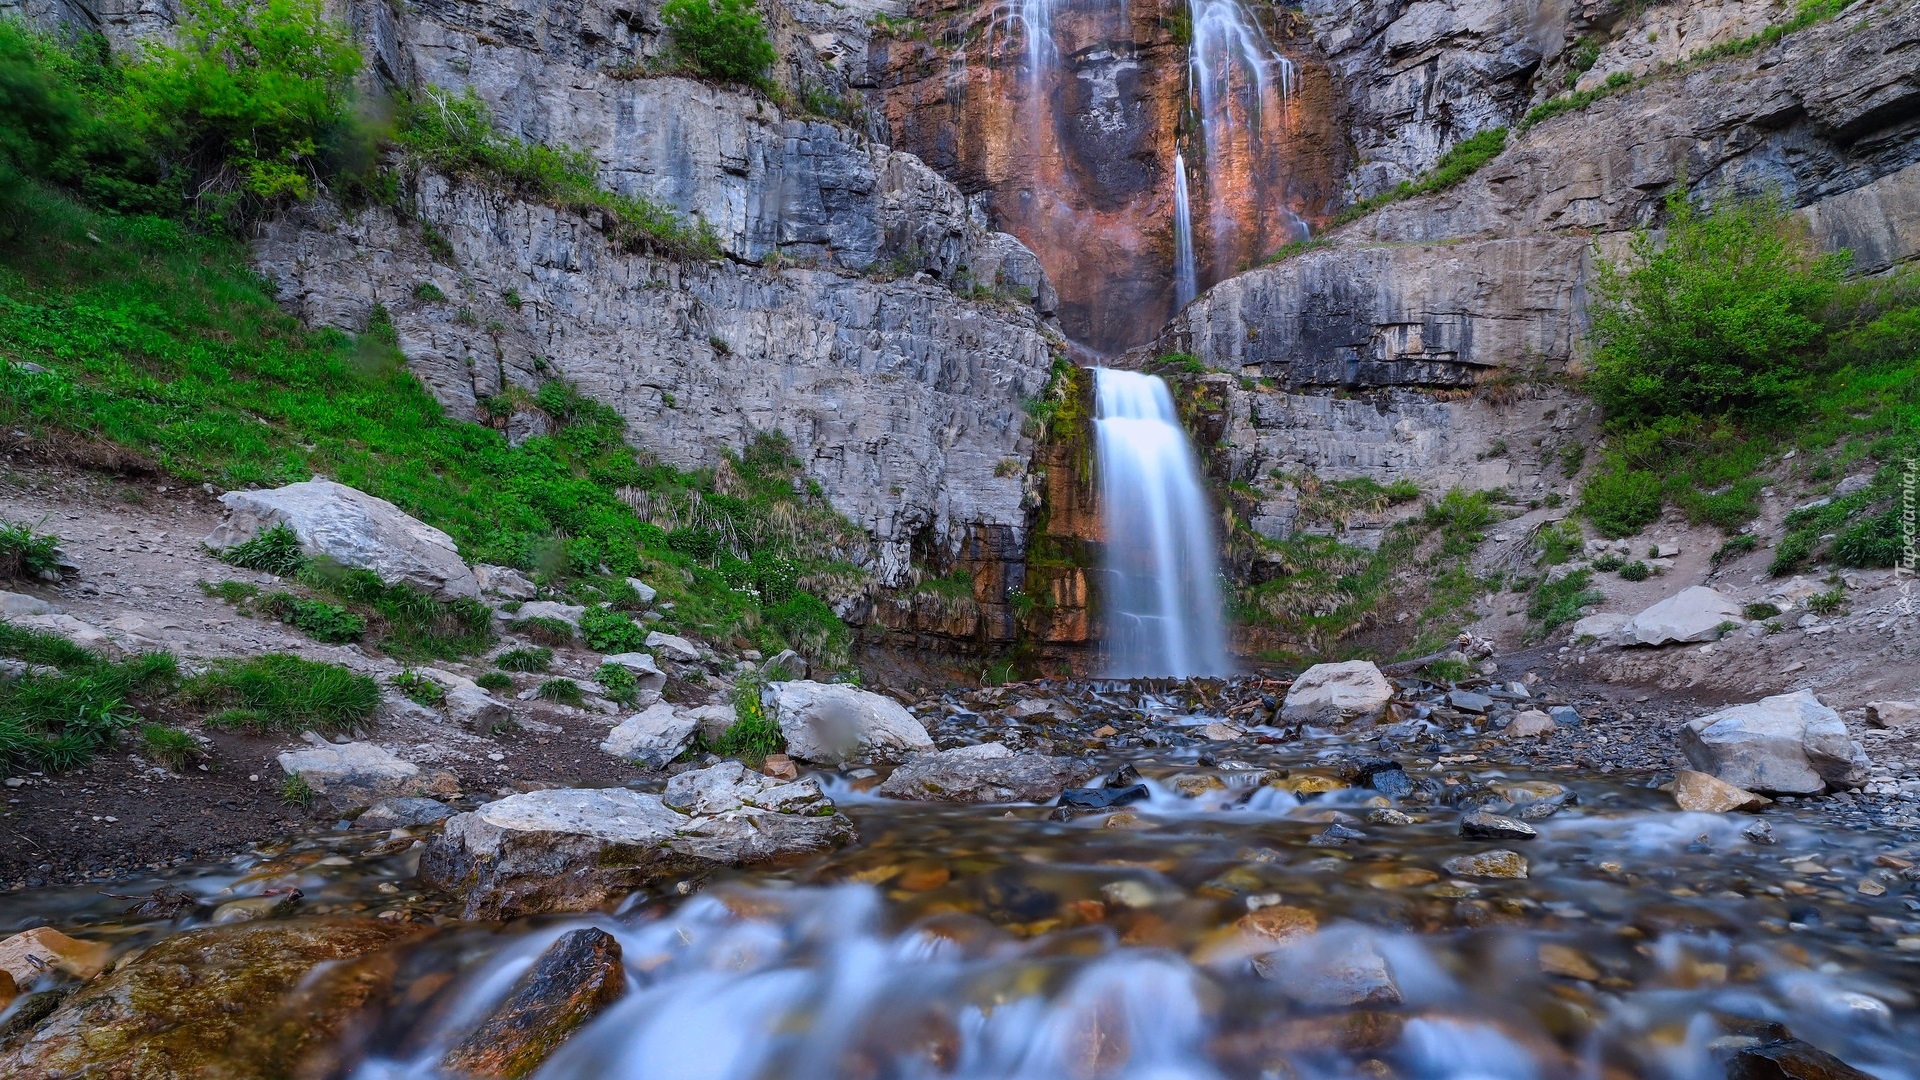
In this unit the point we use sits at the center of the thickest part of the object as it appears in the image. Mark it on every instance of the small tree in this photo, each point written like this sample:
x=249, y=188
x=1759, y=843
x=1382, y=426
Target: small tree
x=1712, y=319
x=722, y=39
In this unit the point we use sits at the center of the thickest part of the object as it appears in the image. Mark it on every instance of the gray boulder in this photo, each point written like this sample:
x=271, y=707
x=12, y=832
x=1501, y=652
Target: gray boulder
x=1893, y=714
x=1604, y=627
x=357, y=774
x=654, y=736
x=546, y=609
x=713, y=720
x=1788, y=744
x=673, y=648
x=572, y=849
x=1329, y=693
x=469, y=705
x=836, y=724
x=353, y=529
x=1694, y=614
x=986, y=773
x=786, y=664
x=644, y=591
x=504, y=582
x=14, y=604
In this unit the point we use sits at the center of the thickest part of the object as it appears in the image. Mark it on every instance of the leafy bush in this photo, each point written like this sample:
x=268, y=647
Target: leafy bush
x=606, y=630
x=753, y=734
x=618, y=684
x=279, y=692
x=1827, y=603
x=1760, y=610
x=420, y=689
x=1608, y=563
x=1792, y=552
x=1636, y=571
x=1621, y=500
x=1557, y=602
x=533, y=659
x=1447, y=671
x=722, y=39
x=273, y=550
x=1876, y=541
x=1712, y=319
x=1735, y=547
x=319, y=620
x=564, y=691
x=494, y=681
x=25, y=553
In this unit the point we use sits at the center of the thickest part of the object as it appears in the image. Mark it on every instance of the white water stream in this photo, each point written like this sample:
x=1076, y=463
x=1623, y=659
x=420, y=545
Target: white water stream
x=1160, y=586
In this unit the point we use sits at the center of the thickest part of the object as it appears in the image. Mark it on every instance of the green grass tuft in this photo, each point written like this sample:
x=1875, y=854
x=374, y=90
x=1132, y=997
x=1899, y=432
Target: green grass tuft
x=27, y=553
x=533, y=659
x=274, y=550
x=562, y=691
x=278, y=692
x=169, y=745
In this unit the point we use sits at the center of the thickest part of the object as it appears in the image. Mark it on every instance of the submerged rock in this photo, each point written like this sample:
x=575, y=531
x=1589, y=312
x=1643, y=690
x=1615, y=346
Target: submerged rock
x=836, y=724
x=1329, y=693
x=353, y=529
x=244, y=1000
x=988, y=772
x=577, y=977
x=1698, y=791
x=28, y=955
x=1788, y=744
x=573, y=849
x=1334, y=970
x=1790, y=1059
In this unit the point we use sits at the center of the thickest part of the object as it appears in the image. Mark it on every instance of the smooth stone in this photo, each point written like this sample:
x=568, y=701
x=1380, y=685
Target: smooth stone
x=1893, y=714
x=1692, y=614
x=577, y=977
x=403, y=813
x=672, y=647
x=1480, y=825
x=354, y=529
x=654, y=736
x=837, y=724
x=1788, y=744
x=1531, y=724
x=1488, y=864
x=358, y=774
x=1328, y=693
x=1700, y=792
x=985, y=773
x=1331, y=970
x=1468, y=701
x=1790, y=1059
x=13, y=605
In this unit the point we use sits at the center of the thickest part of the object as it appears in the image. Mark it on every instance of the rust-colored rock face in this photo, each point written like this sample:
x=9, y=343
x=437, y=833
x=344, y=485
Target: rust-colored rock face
x=1072, y=136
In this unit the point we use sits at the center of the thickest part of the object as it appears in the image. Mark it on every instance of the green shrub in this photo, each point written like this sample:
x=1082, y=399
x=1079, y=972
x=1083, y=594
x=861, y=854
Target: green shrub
x=547, y=631
x=1621, y=500
x=295, y=791
x=564, y=691
x=1559, y=542
x=531, y=659
x=618, y=684
x=279, y=692
x=1447, y=671
x=1460, y=161
x=1827, y=603
x=1792, y=552
x=721, y=39
x=402, y=620
x=494, y=681
x=1760, y=610
x=753, y=734
x=1608, y=563
x=1876, y=541
x=606, y=630
x=233, y=592
x=319, y=620
x=1636, y=571
x=428, y=292
x=25, y=553
x=1573, y=102
x=419, y=689
x=1557, y=602
x=60, y=721
x=1711, y=318
x=1735, y=547
x=273, y=550
x=169, y=745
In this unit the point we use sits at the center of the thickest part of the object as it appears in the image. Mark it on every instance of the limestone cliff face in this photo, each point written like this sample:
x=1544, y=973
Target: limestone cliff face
x=1372, y=342
x=1069, y=135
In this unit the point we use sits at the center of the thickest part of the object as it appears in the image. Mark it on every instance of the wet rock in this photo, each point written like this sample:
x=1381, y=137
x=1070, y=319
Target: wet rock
x=1336, y=835
x=1194, y=785
x=836, y=724
x=352, y=775
x=249, y=999
x=353, y=529
x=1335, y=970
x=1760, y=833
x=1488, y=864
x=677, y=649
x=1082, y=800
x=1790, y=1059
x=1787, y=744
x=403, y=814
x=1893, y=714
x=1531, y=724
x=1700, y=792
x=577, y=977
x=988, y=772
x=1387, y=815
x=1468, y=701
x=1567, y=962
x=277, y=905
x=1329, y=693
x=1531, y=800
x=653, y=736
x=31, y=954
x=572, y=849
x=165, y=902
x=1219, y=731
x=1692, y=614
x=1481, y=825
x=1257, y=933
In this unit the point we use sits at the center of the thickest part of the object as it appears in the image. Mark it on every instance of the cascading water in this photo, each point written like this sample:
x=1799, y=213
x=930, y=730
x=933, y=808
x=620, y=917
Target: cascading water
x=1186, y=278
x=1161, y=590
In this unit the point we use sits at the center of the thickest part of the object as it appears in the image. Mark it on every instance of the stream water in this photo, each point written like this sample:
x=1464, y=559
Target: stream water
x=1223, y=927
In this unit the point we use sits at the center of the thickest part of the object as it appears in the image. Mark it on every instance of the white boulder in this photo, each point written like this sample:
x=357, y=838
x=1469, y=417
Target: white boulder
x=836, y=724
x=655, y=735
x=673, y=648
x=1604, y=627
x=359, y=774
x=1788, y=744
x=1327, y=693
x=353, y=529
x=1693, y=614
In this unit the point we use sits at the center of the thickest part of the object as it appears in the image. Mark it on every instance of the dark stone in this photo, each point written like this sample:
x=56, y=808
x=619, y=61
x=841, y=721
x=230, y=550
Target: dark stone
x=1104, y=798
x=1481, y=825
x=403, y=813
x=165, y=902
x=1790, y=1059
x=1394, y=783
x=1336, y=835
x=579, y=975
x=1565, y=715
x=1468, y=701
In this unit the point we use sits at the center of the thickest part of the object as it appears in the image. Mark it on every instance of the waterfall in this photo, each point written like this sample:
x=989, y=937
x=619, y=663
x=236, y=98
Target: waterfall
x=1161, y=595
x=1186, y=279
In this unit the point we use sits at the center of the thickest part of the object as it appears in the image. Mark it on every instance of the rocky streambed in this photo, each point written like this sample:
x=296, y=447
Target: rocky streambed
x=1253, y=878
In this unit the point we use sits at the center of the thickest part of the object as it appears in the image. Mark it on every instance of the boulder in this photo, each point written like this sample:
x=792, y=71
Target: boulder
x=641, y=589
x=1531, y=724
x=1788, y=744
x=32, y=953
x=677, y=649
x=1604, y=627
x=351, y=775
x=987, y=773
x=653, y=736
x=713, y=720
x=837, y=724
x=403, y=814
x=1789, y=1059
x=570, y=614
x=503, y=582
x=13, y=605
x=261, y=998
x=1698, y=791
x=574, y=849
x=353, y=529
x=470, y=706
x=1694, y=614
x=645, y=672
x=577, y=977
x=786, y=664
x=1893, y=714
x=1329, y=693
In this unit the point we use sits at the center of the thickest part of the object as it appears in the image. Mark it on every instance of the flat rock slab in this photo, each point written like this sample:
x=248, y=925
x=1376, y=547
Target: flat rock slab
x=678, y=649
x=403, y=814
x=987, y=773
x=267, y=998
x=837, y=724
x=574, y=849
x=1484, y=826
x=353, y=529
x=1329, y=693
x=352, y=775
x=1788, y=744
x=1693, y=614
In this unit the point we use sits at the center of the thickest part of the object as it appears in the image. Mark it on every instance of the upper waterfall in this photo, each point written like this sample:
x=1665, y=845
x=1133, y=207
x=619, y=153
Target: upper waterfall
x=1163, y=612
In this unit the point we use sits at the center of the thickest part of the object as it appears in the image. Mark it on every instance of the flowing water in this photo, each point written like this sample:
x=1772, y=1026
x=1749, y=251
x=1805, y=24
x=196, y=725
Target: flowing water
x=1186, y=275
x=993, y=942
x=1159, y=588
